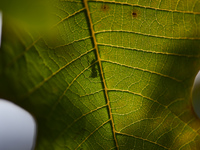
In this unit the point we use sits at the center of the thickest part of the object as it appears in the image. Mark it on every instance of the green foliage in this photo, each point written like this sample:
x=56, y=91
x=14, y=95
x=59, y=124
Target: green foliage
x=107, y=74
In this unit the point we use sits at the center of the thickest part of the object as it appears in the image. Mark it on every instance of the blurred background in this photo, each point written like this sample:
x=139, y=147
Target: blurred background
x=18, y=127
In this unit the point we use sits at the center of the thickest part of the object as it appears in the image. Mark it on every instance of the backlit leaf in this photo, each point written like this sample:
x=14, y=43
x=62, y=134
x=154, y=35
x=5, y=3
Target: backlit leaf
x=107, y=74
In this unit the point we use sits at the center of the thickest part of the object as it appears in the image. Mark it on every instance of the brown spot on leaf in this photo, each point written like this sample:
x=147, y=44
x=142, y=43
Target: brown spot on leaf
x=104, y=8
x=134, y=14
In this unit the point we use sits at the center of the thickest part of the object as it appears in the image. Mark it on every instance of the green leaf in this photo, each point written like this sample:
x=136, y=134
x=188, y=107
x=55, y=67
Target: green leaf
x=107, y=74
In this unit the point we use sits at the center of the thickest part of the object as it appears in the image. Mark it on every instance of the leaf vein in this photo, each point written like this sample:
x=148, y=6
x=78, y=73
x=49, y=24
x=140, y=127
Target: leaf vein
x=145, y=70
x=125, y=134
x=148, y=51
x=83, y=115
x=34, y=42
x=148, y=7
x=91, y=134
x=53, y=74
x=150, y=35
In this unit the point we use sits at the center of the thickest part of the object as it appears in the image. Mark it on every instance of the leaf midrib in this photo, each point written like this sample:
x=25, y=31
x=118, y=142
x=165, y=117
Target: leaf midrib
x=101, y=71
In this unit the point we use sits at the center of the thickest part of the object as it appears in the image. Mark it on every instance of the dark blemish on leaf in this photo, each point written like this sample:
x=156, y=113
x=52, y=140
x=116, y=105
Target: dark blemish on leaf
x=94, y=70
x=134, y=14
x=104, y=8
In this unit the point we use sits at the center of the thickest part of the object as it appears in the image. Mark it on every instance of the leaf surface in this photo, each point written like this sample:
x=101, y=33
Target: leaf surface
x=107, y=74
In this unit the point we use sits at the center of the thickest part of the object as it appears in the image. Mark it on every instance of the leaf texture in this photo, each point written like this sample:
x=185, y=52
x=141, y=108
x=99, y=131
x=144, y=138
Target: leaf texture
x=108, y=74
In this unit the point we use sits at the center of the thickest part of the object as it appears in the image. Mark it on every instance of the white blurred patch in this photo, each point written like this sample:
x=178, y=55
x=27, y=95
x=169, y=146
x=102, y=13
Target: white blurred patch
x=17, y=127
x=196, y=95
